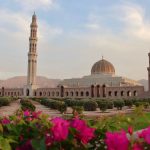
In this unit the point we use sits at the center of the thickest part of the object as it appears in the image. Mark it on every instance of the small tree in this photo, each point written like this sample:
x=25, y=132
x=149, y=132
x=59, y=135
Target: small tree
x=119, y=104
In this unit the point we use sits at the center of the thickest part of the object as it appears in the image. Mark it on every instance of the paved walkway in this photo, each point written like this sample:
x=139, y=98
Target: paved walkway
x=46, y=110
x=9, y=110
x=97, y=113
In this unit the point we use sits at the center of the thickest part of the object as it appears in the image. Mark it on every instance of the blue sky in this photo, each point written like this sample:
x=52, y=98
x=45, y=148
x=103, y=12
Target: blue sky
x=74, y=34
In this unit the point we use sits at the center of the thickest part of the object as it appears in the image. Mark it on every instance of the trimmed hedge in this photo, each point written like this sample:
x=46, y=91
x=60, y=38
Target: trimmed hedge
x=90, y=105
x=128, y=103
x=5, y=101
x=27, y=105
x=74, y=102
x=119, y=104
x=55, y=104
x=103, y=105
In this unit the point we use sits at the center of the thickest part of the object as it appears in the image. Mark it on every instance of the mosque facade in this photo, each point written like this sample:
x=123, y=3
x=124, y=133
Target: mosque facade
x=101, y=83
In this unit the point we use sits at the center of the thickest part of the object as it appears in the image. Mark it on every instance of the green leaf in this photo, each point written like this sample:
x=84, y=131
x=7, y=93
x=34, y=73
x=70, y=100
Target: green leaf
x=39, y=144
x=4, y=144
x=1, y=128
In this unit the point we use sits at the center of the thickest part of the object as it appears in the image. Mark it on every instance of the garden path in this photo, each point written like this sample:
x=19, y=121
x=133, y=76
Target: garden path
x=46, y=110
x=9, y=110
x=97, y=113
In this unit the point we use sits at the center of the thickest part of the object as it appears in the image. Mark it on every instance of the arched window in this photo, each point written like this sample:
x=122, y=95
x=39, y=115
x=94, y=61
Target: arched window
x=40, y=93
x=82, y=94
x=92, y=90
x=128, y=93
x=135, y=93
x=122, y=93
x=116, y=93
x=67, y=94
x=87, y=93
x=110, y=93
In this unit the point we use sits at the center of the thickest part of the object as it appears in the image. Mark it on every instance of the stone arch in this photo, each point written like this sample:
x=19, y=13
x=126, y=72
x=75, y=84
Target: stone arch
x=116, y=93
x=128, y=93
x=135, y=93
x=82, y=94
x=40, y=93
x=110, y=93
x=87, y=93
x=77, y=93
x=98, y=90
x=27, y=92
x=104, y=90
x=67, y=93
x=92, y=90
x=122, y=93
x=62, y=91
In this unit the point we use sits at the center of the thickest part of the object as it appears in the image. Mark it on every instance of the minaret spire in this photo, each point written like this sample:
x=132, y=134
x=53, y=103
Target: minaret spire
x=32, y=54
x=148, y=69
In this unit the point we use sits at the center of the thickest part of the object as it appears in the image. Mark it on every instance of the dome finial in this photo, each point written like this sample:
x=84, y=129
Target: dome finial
x=102, y=57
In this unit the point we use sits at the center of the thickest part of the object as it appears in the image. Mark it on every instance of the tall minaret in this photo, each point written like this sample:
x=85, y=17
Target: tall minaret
x=32, y=54
x=149, y=73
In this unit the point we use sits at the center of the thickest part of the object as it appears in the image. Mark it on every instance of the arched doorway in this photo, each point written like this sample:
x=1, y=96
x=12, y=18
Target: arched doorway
x=62, y=91
x=104, y=90
x=27, y=92
x=97, y=90
x=92, y=91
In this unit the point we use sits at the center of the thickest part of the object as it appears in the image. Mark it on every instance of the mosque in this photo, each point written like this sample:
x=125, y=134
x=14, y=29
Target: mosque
x=101, y=83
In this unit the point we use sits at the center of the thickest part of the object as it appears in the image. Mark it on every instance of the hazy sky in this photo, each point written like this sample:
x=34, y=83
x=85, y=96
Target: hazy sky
x=74, y=34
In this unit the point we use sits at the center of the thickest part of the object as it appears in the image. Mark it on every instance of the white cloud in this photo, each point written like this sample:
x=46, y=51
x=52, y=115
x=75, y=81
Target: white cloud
x=14, y=33
x=36, y=4
x=136, y=23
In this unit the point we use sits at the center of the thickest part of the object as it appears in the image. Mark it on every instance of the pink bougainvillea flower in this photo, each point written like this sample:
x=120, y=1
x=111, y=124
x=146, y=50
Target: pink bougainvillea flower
x=137, y=146
x=36, y=114
x=48, y=139
x=5, y=121
x=60, y=129
x=26, y=146
x=27, y=113
x=84, y=133
x=130, y=130
x=117, y=140
x=145, y=134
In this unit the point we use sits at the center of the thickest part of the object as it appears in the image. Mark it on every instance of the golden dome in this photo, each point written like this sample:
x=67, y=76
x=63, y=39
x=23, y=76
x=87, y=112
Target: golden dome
x=103, y=67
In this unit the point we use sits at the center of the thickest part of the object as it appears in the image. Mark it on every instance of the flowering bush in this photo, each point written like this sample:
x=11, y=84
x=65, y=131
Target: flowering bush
x=28, y=130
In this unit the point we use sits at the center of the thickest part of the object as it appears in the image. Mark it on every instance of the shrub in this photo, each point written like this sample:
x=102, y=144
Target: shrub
x=146, y=105
x=119, y=104
x=62, y=107
x=74, y=102
x=78, y=109
x=90, y=105
x=138, y=103
x=5, y=101
x=27, y=105
x=110, y=104
x=103, y=105
x=128, y=103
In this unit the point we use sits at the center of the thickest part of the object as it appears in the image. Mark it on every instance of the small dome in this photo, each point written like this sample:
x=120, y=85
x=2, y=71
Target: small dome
x=103, y=67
